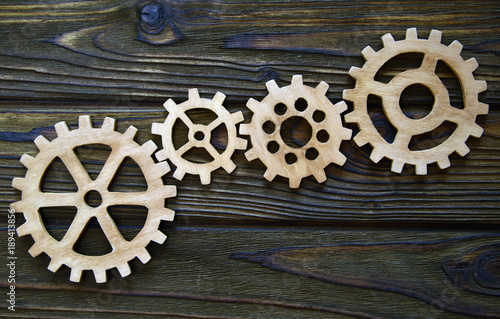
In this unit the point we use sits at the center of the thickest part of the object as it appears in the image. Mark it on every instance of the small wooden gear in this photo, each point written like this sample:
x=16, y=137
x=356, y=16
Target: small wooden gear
x=122, y=145
x=199, y=136
x=280, y=105
x=390, y=93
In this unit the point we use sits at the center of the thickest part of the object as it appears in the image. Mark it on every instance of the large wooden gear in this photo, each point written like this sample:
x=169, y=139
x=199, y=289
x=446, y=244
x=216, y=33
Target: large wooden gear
x=390, y=93
x=320, y=113
x=199, y=135
x=122, y=145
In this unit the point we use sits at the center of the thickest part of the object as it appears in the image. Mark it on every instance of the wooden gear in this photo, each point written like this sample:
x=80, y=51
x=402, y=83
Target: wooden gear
x=329, y=126
x=183, y=165
x=390, y=93
x=122, y=145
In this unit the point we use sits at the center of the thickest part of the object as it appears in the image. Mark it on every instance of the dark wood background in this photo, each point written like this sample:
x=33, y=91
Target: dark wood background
x=367, y=243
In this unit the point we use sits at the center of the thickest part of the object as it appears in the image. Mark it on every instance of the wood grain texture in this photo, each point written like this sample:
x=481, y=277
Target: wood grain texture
x=367, y=243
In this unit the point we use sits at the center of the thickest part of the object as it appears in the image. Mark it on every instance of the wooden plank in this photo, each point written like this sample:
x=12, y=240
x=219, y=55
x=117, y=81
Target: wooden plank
x=360, y=191
x=328, y=273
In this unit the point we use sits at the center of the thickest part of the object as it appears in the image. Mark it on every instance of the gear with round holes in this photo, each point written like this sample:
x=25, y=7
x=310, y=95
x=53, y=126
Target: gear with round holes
x=122, y=145
x=285, y=104
x=398, y=151
x=199, y=135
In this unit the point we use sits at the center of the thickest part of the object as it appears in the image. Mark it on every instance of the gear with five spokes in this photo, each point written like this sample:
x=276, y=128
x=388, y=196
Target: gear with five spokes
x=122, y=145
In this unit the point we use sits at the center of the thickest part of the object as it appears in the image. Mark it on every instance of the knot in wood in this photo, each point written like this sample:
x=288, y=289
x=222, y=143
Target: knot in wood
x=153, y=17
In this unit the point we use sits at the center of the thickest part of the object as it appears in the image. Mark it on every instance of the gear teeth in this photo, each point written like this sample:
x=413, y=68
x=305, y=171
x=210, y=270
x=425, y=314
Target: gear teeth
x=205, y=178
x=27, y=160
x=322, y=88
x=354, y=72
x=397, y=166
x=237, y=117
x=219, y=98
x=193, y=95
x=482, y=108
x=130, y=133
x=294, y=182
x=443, y=162
x=345, y=134
x=23, y=230
x=179, y=174
x=253, y=105
x=19, y=183
x=76, y=274
x=471, y=65
x=251, y=155
x=161, y=155
x=167, y=214
x=229, y=167
x=84, y=122
x=41, y=142
x=368, y=53
x=124, y=269
x=169, y=191
x=481, y=86
x=476, y=130
x=297, y=80
x=411, y=34
x=143, y=255
x=348, y=94
x=361, y=138
x=341, y=158
x=269, y=175
x=341, y=107
x=162, y=168
x=462, y=149
x=35, y=250
x=108, y=124
x=456, y=47
x=158, y=237
x=54, y=265
x=320, y=176
x=157, y=129
x=272, y=87
x=100, y=275
x=245, y=129
x=376, y=155
x=421, y=169
x=148, y=148
x=241, y=144
x=435, y=35
x=387, y=39
x=62, y=129
x=169, y=105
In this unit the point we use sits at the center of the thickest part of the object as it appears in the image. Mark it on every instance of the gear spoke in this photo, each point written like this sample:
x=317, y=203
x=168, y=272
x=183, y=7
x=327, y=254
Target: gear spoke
x=76, y=169
x=183, y=116
x=214, y=124
x=111, y=231
x=211, y=150
x=58, y=199
x=429, y=63
x=77, y=226
x=183, y=149
x=110, y=168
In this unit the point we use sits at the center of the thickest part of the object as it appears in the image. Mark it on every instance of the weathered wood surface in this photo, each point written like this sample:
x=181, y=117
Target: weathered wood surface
x=61, y=60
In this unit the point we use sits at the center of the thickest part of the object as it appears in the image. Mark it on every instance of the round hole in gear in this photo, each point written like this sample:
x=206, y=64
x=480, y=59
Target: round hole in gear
x=269, y=127
x=280, y=109
x=93, y=198
x=199, y=136
x=322, y=136
x=296, y=131
x=318, y=116
x=290, y=158
x=312, y=154
x=416, y=101
x=273, y=147
x=301, y=105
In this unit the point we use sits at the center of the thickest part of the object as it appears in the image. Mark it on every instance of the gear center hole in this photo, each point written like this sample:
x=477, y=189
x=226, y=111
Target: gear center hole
x=199, y=136
x=296, y=131
x=93, y=198
x=416, y=101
